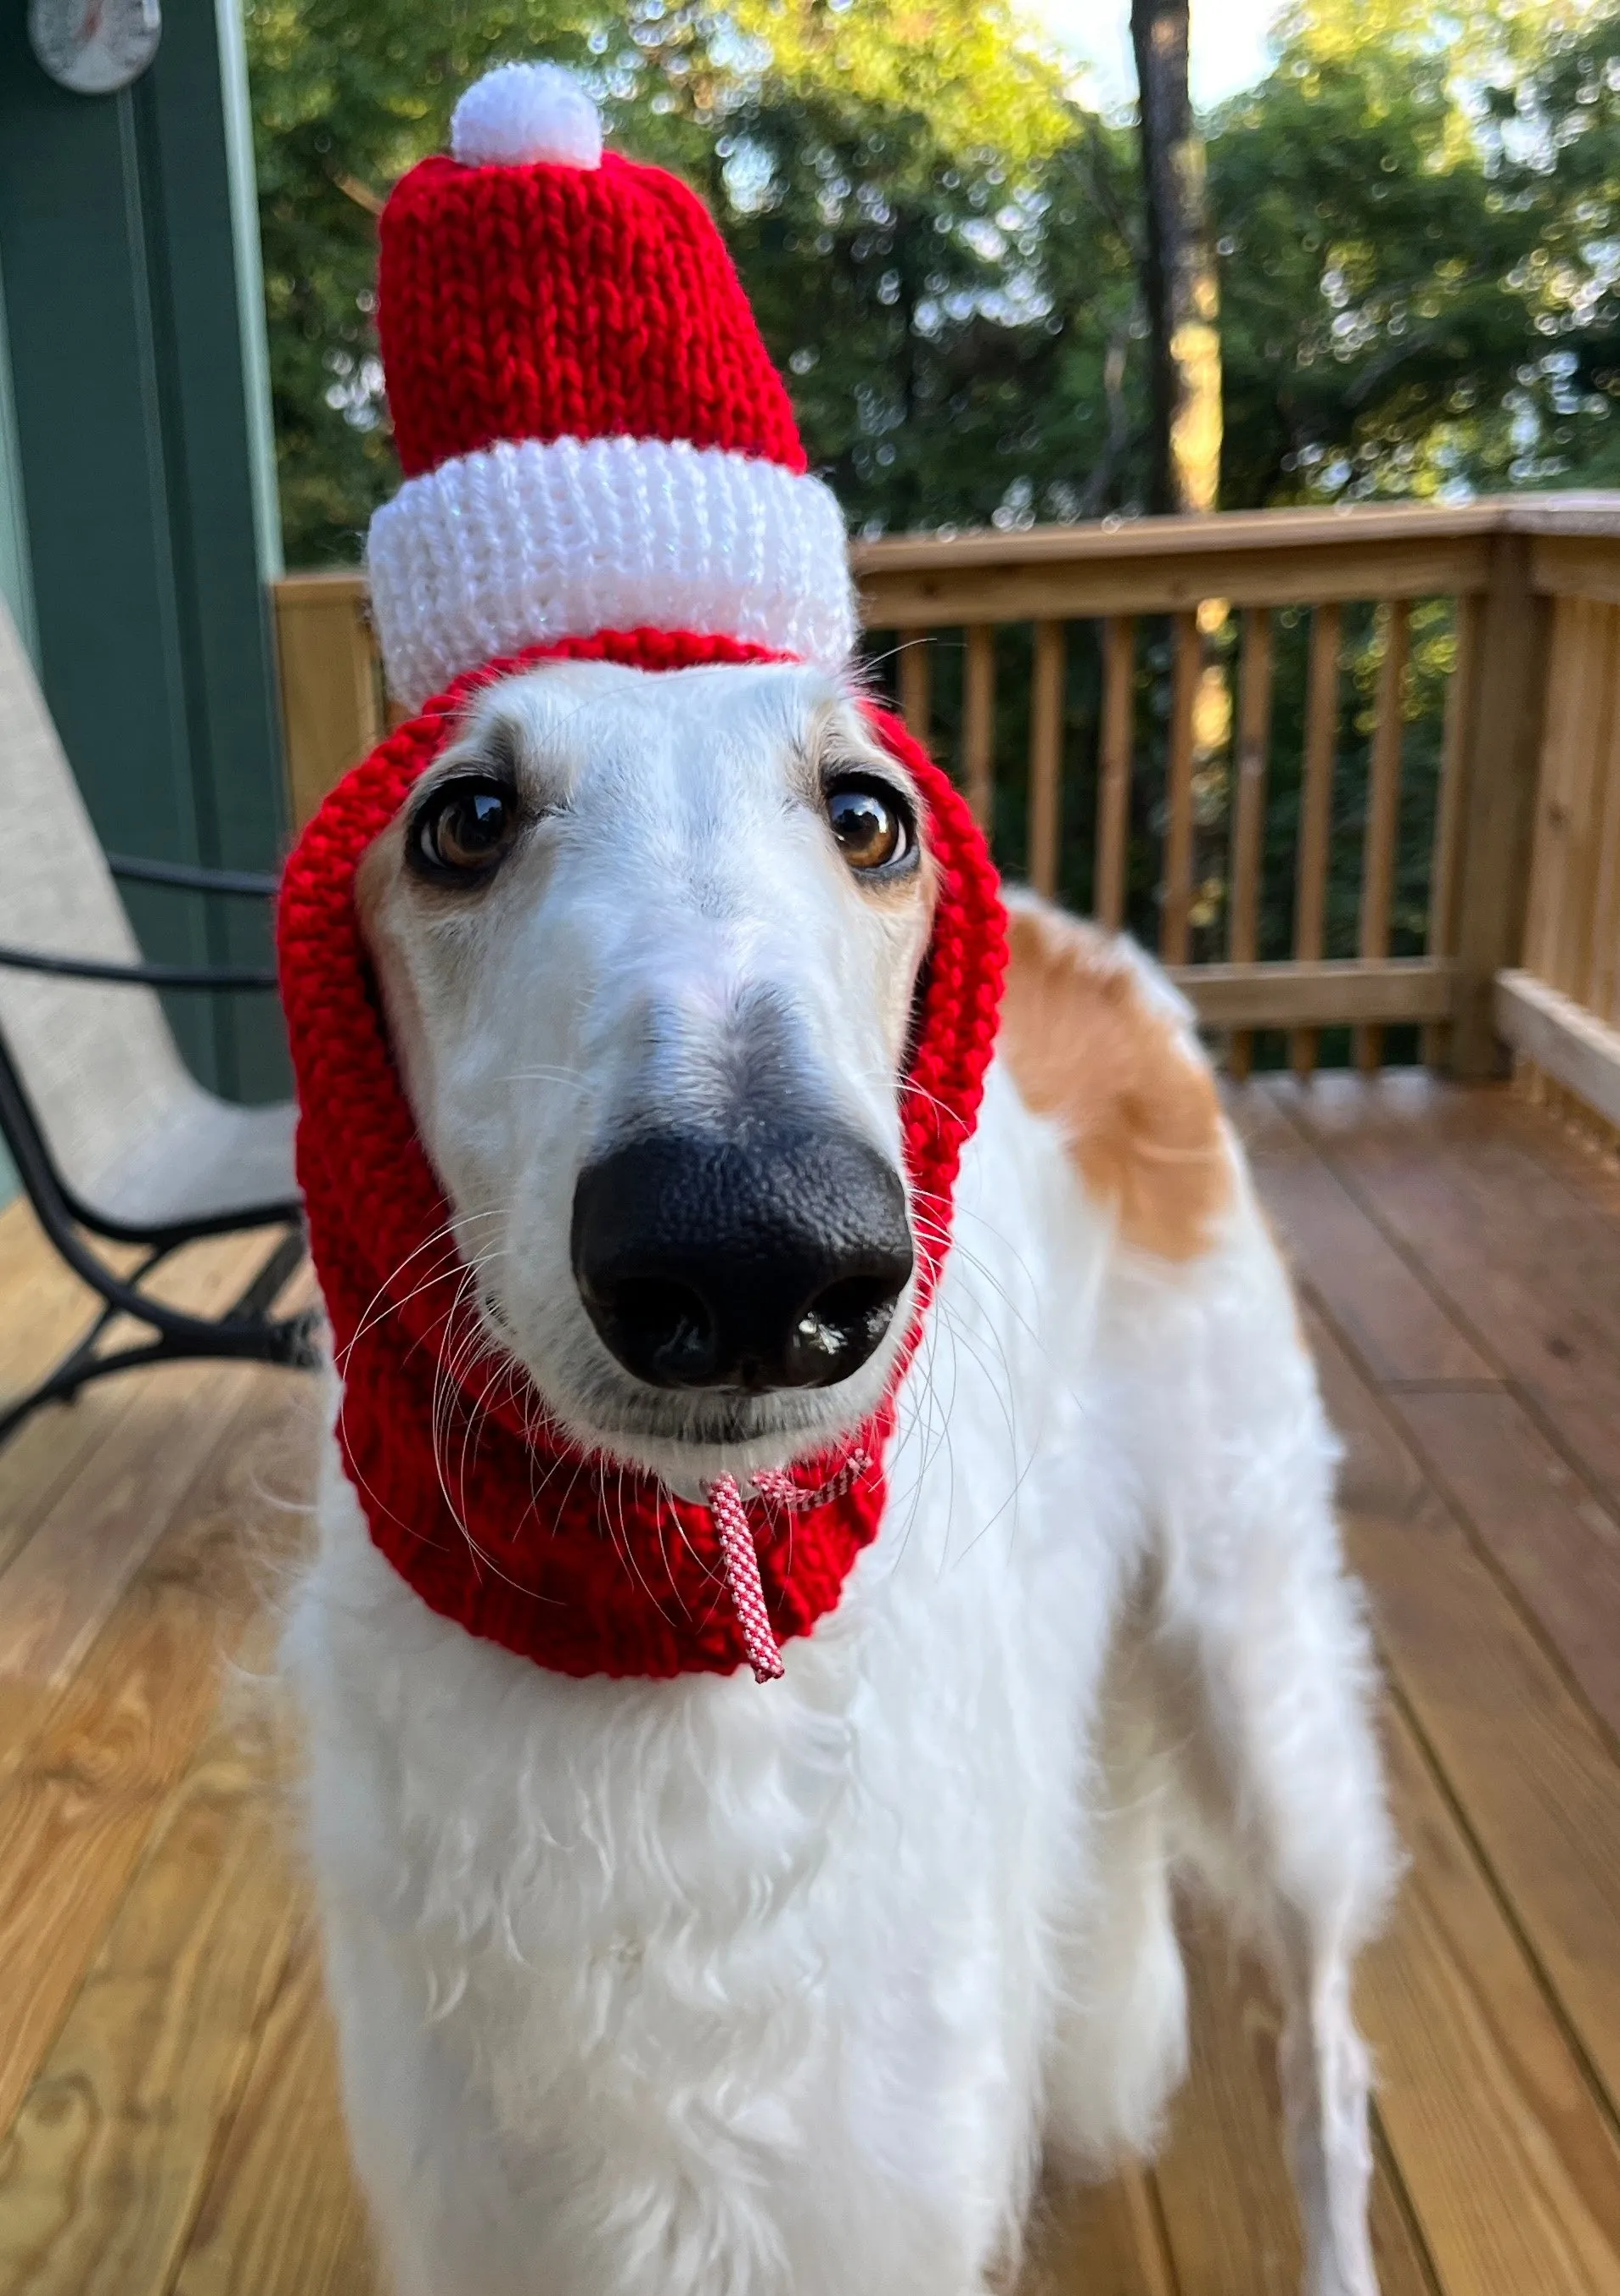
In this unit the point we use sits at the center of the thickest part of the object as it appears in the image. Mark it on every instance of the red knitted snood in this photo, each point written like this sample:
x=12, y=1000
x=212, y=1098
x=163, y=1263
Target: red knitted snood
x=497, y=1521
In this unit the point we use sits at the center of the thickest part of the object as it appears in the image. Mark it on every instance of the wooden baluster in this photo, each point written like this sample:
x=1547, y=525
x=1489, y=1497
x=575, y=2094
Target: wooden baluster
x=979, y=723
x=1114, y=770
x=1383, y=811
x=1316, y=807
x=1176, y=909
x=1602, y=995
x=1448, y=809
x=1509, y=689
x=1046, y=754
x=332, y=709
x=916, y=685
x=1256, y=671
x=1545, y=895
x=1571, y=789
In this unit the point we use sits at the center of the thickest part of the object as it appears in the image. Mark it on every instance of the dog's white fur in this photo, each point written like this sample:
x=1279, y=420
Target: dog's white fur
x=706, y=1988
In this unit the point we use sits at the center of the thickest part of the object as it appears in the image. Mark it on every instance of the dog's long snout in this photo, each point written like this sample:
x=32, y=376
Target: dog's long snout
x=707, y=1263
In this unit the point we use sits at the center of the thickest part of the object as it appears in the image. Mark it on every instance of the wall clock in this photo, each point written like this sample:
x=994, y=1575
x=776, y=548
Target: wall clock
x=94, y=46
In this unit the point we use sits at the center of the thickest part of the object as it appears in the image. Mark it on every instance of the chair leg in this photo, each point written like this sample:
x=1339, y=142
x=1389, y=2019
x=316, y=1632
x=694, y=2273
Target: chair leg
x=252, y=1303
x=245, y=1334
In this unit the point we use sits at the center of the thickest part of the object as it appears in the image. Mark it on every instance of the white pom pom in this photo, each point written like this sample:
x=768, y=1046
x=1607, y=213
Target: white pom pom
x=520, y=113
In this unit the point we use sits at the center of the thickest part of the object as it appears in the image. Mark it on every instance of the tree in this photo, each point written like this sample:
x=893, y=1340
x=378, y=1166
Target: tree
x=1411, y=213
x=1414, y=217
x=347, y=95
x=1179, y=277
x=936, y=242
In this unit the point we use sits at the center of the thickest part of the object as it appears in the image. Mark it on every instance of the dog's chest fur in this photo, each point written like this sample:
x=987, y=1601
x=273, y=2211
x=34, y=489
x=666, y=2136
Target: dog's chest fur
x=650, y=1918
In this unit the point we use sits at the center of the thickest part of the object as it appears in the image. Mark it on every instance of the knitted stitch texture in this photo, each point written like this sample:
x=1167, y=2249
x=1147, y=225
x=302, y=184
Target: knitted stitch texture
x=592, y=432
x=523, y=543
x=550, y=302
x=474, y=1495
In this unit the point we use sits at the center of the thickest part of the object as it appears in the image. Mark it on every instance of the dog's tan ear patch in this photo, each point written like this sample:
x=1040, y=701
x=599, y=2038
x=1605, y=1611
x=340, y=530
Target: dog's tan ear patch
x=1088, y=1046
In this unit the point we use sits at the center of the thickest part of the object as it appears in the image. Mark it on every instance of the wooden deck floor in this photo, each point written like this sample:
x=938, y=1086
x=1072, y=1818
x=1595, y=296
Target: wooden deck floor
x=165, y=2086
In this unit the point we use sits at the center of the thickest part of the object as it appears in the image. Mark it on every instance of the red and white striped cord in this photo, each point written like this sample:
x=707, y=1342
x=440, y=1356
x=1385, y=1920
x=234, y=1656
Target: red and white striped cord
x=741, y=1556
x=742, y=1561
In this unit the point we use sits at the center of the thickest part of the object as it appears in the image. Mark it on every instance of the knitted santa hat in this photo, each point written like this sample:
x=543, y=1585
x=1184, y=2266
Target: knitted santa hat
x=602, y=464
x=592, y=432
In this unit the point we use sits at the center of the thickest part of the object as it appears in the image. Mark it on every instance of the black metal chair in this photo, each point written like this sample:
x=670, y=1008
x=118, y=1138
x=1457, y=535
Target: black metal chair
x=113, y=1140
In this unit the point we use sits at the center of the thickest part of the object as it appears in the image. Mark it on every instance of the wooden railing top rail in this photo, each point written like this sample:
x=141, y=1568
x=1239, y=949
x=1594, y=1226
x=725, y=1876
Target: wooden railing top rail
x=1278, y=558
x=315, y=586
x=1595, y=514
x=1267, y=557
x=1206, y=535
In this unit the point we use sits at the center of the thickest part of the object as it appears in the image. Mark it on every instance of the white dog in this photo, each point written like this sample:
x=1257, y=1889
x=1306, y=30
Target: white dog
x=705, y=1988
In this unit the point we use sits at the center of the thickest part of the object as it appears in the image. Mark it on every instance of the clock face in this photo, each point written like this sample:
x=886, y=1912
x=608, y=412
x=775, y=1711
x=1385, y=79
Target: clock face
x=94, y=46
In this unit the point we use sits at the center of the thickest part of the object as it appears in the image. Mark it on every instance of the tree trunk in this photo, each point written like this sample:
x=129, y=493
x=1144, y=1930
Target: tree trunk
x=1181, y=295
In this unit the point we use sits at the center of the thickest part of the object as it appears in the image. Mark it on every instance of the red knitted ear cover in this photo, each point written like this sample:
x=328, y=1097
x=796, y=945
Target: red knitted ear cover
x=490, y=1514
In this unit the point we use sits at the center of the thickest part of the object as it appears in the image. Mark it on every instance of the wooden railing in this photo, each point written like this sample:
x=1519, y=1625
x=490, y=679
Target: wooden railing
x=333, y=704
x=1297, y=751
x=1559, y=1006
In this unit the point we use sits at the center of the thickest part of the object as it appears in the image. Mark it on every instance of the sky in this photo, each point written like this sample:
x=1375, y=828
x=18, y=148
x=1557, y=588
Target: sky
x=1229, y=44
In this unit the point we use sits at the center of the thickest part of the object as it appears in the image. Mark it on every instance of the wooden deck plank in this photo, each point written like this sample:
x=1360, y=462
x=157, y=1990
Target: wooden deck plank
x=109, y=1747
x=105, y=2166
x=1553, y=1144
x=1550, y=1536
x=1519, y=1751
x=45, y=1454
x=92, y=1521
x=1398, y=1328
x=1512, y=2165
x=1097, y=2240
x=1223, y=2178
x=112, y=1525
x=1529, y=1263
x=47, y=1310
x=46, y=1305
x=281, y=2215
x=66, y=1581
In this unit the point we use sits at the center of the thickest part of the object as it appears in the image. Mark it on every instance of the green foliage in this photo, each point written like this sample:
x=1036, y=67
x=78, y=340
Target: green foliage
x=946, y=324
x=962, y=66
x=1413, y=212
x=1417, y=212
x=348, y=94
x=938, y=246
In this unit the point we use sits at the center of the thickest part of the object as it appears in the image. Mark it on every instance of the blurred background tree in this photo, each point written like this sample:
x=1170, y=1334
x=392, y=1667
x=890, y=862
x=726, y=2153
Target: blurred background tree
x=1181, y=291
x=1416, y=217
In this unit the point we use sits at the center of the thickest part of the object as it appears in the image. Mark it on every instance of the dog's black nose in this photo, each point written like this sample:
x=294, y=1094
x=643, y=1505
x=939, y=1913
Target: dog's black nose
x=706, y=1263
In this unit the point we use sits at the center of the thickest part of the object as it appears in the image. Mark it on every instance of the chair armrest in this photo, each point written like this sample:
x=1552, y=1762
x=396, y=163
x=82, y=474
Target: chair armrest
x=190, y=878
x=142, y=976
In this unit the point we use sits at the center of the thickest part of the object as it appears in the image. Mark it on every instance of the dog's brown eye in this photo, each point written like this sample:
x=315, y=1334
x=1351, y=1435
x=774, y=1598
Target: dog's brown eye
x=871, y=823
x=464, y=829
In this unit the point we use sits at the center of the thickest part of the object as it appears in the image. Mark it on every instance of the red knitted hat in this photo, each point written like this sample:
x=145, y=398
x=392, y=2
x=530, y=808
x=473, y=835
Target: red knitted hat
x=603, y=465
x=592, y=432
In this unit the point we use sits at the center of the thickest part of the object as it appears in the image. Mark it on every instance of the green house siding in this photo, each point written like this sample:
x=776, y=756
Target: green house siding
x=16, y=579
x=130, y=259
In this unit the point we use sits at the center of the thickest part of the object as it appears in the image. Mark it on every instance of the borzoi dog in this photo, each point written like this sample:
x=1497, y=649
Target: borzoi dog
x=706, y=1986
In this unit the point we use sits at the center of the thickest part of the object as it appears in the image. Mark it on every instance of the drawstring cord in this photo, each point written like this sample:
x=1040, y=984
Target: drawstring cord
x=728, y=1511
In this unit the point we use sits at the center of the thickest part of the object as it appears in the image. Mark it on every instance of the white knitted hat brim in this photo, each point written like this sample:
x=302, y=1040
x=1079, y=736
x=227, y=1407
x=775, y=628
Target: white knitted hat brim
x=519, y=545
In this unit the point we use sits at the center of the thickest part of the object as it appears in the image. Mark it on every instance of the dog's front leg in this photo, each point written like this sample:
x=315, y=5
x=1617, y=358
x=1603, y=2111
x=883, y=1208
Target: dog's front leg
x=1326, y=2083
x=1267, y=1655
